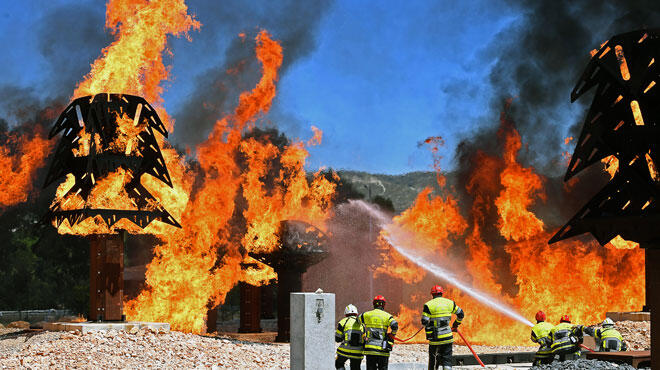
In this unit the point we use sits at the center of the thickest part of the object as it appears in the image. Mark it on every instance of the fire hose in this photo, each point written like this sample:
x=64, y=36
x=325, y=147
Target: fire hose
x=459, y=333
x=407, y=339
x=470, y=347
x=587, y=348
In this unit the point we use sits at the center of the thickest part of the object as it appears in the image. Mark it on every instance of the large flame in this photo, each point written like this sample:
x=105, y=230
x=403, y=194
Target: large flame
x=572, y=277
x=224, y=204
x=20, y=158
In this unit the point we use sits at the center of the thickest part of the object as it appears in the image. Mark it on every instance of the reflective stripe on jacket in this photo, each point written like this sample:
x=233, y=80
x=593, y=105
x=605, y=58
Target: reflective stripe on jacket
x=609, y=339
x=375, y=324
x=436, y=318
x=541, y=335
x=351, y=334
x=561, y=338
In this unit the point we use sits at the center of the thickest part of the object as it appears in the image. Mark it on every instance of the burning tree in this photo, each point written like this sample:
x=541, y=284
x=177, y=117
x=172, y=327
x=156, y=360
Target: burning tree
x=622, y=124
x=107, y=145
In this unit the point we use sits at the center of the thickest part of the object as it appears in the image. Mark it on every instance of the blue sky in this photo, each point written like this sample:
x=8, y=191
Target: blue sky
x=382, y=76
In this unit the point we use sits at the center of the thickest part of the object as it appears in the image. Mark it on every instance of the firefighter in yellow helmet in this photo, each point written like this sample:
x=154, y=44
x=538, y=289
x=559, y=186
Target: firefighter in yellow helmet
x=541, y=335
x=378, y=342
x=351, y=335
x=608, y=339
x=566, y=339
x=436, y=317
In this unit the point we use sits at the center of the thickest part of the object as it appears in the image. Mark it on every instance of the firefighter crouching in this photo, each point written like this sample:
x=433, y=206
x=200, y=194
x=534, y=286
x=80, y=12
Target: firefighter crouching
x=541, y=335
x=566, y=339
x=436, y=317
x=607, y=339
x=378, y=342
x=351, y=335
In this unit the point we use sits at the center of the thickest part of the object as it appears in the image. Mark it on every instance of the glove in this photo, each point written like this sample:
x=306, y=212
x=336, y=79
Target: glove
x=454, y=326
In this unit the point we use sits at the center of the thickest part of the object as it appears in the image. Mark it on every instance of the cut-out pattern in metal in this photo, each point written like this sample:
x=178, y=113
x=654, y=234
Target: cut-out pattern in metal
x=623, y=121
x=101, y=135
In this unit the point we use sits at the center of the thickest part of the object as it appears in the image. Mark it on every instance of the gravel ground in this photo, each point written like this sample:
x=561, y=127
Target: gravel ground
x=584, y=364
x=636, y=333
x=145, y=348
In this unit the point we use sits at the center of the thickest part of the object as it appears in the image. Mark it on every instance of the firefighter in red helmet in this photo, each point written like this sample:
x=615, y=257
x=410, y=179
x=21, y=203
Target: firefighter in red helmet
x=566, y=339
x=379, y=342
x=436, y=317
x=541, y=336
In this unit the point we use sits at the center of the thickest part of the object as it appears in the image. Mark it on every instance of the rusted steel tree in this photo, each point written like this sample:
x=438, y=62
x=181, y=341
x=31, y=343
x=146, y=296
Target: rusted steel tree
x=624, y=121
x=107, y=136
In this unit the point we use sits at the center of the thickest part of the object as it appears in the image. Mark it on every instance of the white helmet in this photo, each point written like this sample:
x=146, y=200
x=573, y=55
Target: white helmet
x=350, y=310
x=608, y=322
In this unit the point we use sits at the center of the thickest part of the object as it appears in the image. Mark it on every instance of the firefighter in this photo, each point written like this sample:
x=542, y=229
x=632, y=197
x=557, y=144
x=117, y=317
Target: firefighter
x=436, y=317
x=608, y=339
x=378, y=342
x=351, y=335
x=541, y=336
x=566, y=339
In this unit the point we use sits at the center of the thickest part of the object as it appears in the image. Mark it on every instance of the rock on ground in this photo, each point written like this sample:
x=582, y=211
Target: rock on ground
x=636, y=333
x=19, y=324
x=584, y=364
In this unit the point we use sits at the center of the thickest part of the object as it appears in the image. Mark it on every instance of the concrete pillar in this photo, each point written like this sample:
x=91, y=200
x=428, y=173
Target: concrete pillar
x=312, y=331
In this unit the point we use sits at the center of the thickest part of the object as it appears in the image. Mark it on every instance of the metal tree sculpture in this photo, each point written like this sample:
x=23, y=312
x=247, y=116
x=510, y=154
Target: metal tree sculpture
x=624, y=122
x=109, y=146
x=108, y=137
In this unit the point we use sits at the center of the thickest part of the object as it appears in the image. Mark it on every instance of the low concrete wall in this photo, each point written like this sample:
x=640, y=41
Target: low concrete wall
x=33, y=316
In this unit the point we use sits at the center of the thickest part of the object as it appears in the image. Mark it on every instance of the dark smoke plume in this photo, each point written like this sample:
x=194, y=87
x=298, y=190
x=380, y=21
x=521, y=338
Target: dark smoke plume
x=294, y=23
x=540, y=58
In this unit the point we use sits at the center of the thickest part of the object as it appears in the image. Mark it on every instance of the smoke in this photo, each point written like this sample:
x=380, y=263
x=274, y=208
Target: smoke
x=293, y=23
x=70, y=37
x=539, y=60
x=541, y=57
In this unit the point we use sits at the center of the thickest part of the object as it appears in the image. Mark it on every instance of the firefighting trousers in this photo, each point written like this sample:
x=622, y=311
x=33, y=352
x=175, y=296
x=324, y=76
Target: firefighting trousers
x=375, y=362
x=341, y=360
x=440, y=355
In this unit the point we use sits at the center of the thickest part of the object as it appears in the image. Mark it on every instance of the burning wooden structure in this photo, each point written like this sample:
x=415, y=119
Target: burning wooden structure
x=107, y=137
x=301, y=245
x=624, y=123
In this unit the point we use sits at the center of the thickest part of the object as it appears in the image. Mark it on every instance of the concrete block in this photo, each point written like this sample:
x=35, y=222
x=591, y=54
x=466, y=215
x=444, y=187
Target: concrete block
x=312, y=331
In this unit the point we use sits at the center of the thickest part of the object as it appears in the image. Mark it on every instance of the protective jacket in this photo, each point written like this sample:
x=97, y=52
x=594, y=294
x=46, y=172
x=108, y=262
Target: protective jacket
x=607, y=339
x=541, y=335
x=564, y=338
x=376, y=322
x=351, y=335
x=436, y=318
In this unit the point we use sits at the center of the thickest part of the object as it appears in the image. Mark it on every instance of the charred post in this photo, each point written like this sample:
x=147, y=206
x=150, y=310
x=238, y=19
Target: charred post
x=250, y=321
x=301, y=245
x=106, y=278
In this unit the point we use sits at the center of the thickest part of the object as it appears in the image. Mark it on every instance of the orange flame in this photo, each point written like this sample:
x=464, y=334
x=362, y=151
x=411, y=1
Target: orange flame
x=19, y=160
x=570, y=277
x=184, y=281
x=195, y=266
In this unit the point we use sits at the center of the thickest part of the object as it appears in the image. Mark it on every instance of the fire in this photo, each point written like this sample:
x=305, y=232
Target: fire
x=133, y=63
x=20, y=158
x=517, y=267
x=611, y=164
x=195, y=267
x=230, y=204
